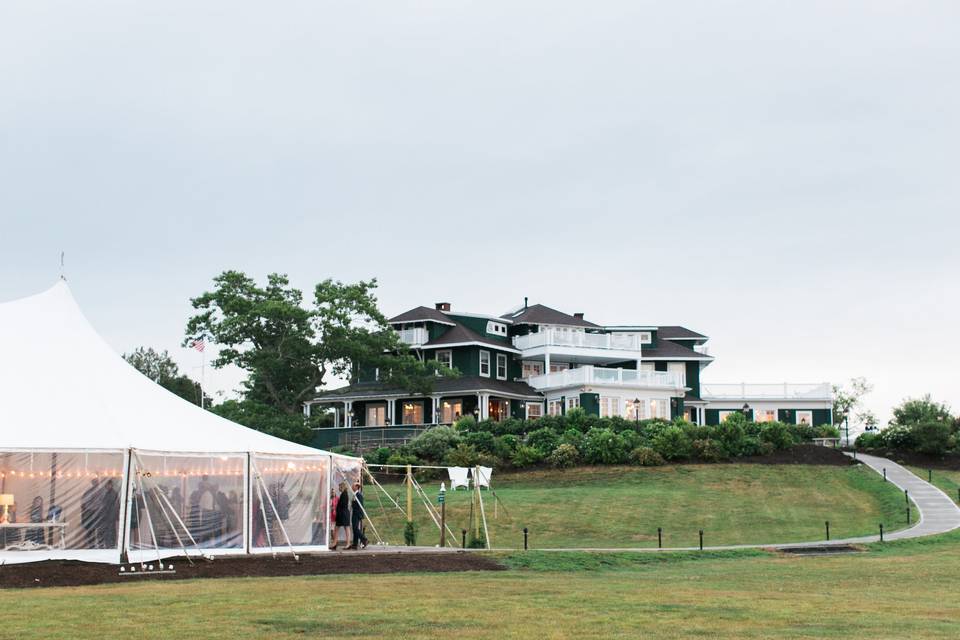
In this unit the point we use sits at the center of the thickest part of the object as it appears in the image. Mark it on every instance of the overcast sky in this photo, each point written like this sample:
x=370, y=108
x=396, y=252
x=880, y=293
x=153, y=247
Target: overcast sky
x=780, y=176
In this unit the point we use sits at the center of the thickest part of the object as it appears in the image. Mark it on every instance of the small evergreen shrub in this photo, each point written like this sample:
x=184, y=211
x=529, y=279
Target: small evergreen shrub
x=777, y=434
x=481, y=441
x=646, y=457
x=573, y=438
x=544, y=440
x=673, y=444
x=410, y=534
x=603, y=446
x=867, y=441
x=526, y=456
x=432, y=445
x=463, y=455
x=709, y=450
x=931, y=437
x=564, y=457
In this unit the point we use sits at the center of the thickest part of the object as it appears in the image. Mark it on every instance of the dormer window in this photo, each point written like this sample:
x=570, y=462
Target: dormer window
x=496, y=328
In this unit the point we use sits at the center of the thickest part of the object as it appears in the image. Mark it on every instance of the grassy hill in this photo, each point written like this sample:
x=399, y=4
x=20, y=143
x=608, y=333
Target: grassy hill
x=623, y=506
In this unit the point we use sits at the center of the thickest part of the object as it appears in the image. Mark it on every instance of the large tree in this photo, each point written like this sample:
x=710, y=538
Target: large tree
x=921, y=410
x=289, y=349
x=846, y=401
x=159, y=367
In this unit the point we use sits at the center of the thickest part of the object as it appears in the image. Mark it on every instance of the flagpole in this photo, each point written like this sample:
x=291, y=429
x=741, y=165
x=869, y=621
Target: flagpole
x=203, y=369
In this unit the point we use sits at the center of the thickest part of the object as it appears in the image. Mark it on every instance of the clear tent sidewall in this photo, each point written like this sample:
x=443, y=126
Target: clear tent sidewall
x=224, y=503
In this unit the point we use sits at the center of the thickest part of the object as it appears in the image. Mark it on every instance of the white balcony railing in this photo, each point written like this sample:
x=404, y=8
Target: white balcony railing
x=414, y=337
x=590, y=374
x=786, y=390
x=554, y=338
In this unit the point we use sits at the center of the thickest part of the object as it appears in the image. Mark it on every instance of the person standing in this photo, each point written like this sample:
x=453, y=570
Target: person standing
x=110, y=516
x=343, y=517
x=90, y=515
x=356, y=518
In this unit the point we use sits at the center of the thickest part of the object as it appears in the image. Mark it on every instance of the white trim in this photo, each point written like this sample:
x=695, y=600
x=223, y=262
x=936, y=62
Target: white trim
x=506, y=366
x=480, y=356
x=472, y=343
x=482, y=316
x=678, y=358
x=449, y=324
x=449, y=363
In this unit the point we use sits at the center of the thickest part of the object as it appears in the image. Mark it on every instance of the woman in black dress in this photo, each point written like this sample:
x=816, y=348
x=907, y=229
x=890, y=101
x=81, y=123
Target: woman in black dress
x=342, y=522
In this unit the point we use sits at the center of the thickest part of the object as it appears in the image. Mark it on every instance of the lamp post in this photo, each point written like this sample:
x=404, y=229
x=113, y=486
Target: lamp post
x=846, y=421
x=636, y=410
x=746, y=411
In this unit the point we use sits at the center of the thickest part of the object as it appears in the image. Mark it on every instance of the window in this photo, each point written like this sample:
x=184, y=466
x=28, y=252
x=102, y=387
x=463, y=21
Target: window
x=485, y=363
x=725, y=414
x=559, y=366
x=498, y=409
x=765, y=415
x=450, y=410
x=501, y=366
x=496, y=328
x=534, y=410
x=609, y=406
x=573, y=402
x=445, y=358
x=555, y=407
x=645, y=337
x=648, y=366
x=412, y=413
x=635, y=410
x=376, y=415
x=531, y=368
x=805, y=417
x=679, y=369
x=658, y=409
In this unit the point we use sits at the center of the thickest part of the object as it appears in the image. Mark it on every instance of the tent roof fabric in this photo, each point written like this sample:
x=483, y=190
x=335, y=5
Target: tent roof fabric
x=101, y=402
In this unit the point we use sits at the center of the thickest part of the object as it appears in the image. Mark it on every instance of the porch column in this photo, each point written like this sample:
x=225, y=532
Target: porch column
x=306, y=410
x=347, y=409
x=435, y=413
x=546, y=361
x=336, y=417
x=391, y=411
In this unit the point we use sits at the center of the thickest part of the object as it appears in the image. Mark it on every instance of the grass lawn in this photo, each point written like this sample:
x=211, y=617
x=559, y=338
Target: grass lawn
x=623, y=506
x=948, y=481
x=902, y=589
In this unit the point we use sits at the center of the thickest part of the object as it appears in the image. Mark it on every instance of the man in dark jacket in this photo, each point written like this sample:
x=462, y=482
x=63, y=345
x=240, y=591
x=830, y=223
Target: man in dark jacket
x=356, y=518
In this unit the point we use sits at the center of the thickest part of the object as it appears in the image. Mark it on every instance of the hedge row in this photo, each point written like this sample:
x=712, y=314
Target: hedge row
x=577, y=438
x=933, y=437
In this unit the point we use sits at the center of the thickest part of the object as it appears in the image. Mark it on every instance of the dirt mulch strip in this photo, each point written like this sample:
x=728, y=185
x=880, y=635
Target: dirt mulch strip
x=71, y=573
x=801, y=454
x=946, y=462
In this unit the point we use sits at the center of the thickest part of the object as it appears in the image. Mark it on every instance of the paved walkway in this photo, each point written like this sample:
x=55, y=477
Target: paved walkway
x=937, y=514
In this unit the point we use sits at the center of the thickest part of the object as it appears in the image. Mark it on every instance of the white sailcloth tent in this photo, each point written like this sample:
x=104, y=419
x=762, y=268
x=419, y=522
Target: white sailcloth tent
x=98, y=462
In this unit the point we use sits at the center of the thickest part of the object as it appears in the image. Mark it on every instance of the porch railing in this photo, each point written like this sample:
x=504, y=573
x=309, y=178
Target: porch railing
x=786, y=391
x=590, y=374
x=582, y=339
x=415, y=336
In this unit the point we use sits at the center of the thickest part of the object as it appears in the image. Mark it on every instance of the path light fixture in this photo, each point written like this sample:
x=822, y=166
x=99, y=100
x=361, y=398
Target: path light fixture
x=746, y=411
x=636, y=409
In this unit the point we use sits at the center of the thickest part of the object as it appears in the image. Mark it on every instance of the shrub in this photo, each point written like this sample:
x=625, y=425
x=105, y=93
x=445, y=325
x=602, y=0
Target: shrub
x=828, y=431
x=577, y=419
x=603, y=446
x=732, y=436
x=572, y=437
x=506, y=446
x=481, y=441
x=379, y=456
x=402, y=458
x=736, y=417
x=709, y=450
x=510, y=425
x=432, y=445
x=806, y=432
x=564, y=456
x=646, y=457
x=544, y=440
x=897, y=437
x=931, y=437
x=466, y=424
x=527, y=456
x=672, y=443
x=631, y=439
x=753, y=446
x=777, y=434
x=410, y=534
x=867, y=441
x=463, y=455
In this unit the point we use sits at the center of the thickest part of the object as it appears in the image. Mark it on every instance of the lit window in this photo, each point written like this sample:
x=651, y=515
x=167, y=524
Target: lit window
x=805, y=417
x=485, y=363
x=376, y=415
x=413, y=413
x=534, y=410
x=765, y=415
x=573, y=402
x=501, y=366
x=450, y=410
x=680, y=370
x=609, y=406
x=555, y=407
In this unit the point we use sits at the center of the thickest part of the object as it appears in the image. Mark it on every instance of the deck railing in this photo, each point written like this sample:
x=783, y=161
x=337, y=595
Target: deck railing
x=590, y=374
x=582, y=339
x=786, y=390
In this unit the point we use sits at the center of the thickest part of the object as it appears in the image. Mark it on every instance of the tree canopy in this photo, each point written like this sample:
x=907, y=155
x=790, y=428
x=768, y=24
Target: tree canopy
x=919, y=411
x=845, y=401
x=289, y=349
x=160, y=368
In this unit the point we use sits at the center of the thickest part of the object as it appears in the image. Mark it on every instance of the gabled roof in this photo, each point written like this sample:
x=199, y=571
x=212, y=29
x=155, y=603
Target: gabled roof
x=673, y=332
x=666, y=349
x=460, y=334
x=421, y=314
x=540, y=314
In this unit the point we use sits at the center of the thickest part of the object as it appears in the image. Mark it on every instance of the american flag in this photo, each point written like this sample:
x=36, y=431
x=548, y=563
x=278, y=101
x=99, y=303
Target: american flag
x=199, y=345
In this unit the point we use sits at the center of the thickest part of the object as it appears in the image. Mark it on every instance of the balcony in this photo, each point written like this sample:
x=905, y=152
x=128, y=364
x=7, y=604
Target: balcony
x=589, y=374
x=579, y=339
x=777, y=391
x=414, y=337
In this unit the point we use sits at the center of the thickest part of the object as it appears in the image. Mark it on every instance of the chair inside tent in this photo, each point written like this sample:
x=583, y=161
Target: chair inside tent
x=97, y=462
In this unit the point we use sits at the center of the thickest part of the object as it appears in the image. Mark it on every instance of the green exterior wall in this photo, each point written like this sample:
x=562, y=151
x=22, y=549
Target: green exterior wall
x=693, y=378
x=788, y=416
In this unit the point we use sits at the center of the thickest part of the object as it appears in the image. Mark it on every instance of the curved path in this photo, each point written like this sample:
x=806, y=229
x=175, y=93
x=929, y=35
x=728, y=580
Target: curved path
x=937, y=514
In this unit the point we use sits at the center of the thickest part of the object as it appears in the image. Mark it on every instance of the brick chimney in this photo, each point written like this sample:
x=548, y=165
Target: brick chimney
x=442, y=306
x=578, y=316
